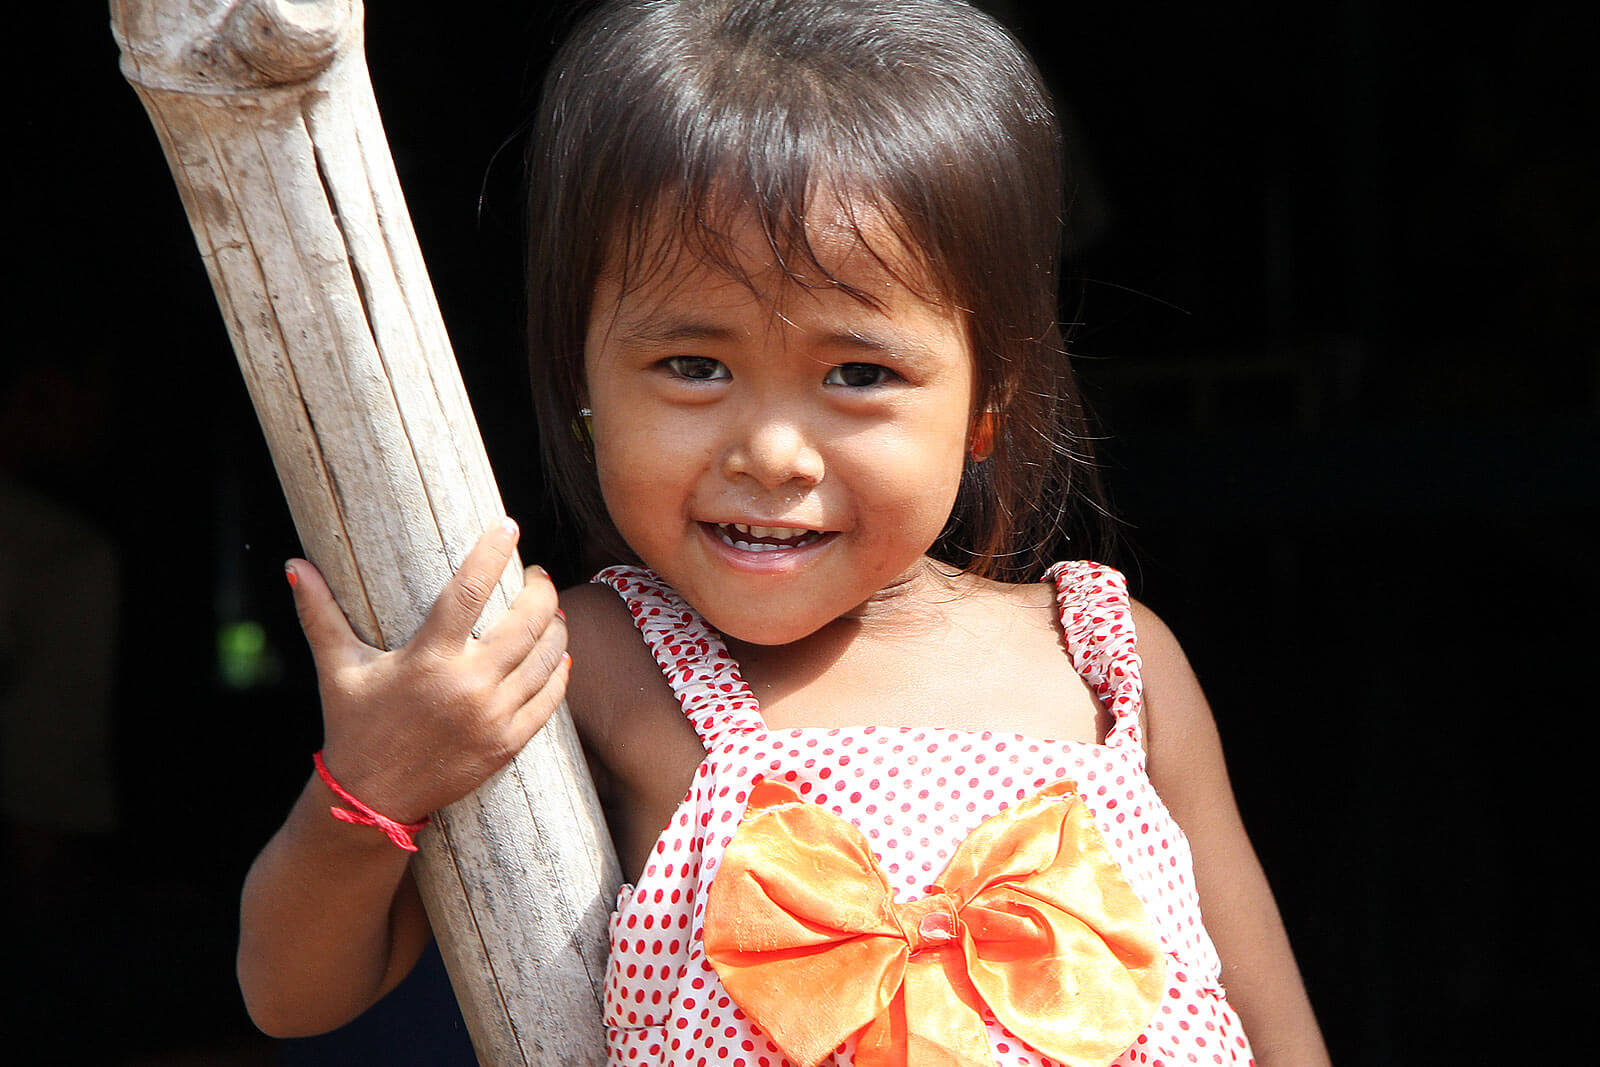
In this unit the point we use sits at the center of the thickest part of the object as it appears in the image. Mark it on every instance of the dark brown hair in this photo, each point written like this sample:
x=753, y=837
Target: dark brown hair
x=926, y=112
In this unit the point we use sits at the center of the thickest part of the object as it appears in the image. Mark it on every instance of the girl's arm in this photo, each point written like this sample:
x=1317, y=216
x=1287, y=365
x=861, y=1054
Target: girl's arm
x=330, y=919
x=1187, y=769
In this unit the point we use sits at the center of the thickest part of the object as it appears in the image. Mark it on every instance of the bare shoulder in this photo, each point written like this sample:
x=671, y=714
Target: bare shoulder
x=607, y=656
x=1180, y=733
x=616, y=688
x=1164, y=662
x=643, y=750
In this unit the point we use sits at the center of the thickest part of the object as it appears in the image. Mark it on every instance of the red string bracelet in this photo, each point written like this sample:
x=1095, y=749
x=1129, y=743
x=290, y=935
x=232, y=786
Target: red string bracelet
x=398, y=832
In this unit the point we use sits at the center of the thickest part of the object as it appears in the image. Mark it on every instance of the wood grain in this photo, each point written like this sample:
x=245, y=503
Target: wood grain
x=266, y=114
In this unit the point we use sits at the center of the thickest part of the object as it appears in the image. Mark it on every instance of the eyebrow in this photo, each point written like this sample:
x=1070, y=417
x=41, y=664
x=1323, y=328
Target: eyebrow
x=876, y=344
x=665, y=333
x=671, y=332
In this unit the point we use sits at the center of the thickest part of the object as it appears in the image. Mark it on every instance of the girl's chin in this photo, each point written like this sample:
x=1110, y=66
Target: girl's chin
x=765, y=634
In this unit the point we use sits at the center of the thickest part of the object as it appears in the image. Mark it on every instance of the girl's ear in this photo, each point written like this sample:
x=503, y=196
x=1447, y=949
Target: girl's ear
x=980, y=438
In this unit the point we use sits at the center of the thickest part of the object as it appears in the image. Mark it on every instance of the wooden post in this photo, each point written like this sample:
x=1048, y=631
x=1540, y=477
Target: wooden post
x=266, y=113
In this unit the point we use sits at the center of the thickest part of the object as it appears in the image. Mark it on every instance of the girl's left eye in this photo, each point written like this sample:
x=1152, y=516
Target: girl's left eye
x=858, y=375
x=697, y=368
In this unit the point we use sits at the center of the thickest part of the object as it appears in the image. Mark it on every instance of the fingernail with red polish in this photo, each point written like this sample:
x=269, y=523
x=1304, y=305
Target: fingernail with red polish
x=561, y=615
x=294, y=579
x=566, y=658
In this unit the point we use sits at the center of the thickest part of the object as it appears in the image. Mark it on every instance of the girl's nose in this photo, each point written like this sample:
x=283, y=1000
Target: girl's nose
x=774, y=452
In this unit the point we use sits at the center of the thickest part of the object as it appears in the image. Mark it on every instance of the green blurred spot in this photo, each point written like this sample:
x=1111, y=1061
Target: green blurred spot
x=243, y=658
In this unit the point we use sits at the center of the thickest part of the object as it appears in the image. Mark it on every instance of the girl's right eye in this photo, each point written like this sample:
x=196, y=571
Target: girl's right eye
x=697, y=368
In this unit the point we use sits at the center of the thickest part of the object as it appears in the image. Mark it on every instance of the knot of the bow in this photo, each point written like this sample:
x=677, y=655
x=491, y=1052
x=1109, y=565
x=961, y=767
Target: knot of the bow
x=930, y=922
x=1031, y=920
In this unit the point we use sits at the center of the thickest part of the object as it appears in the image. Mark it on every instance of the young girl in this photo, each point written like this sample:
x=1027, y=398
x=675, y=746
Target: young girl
x=885, y=795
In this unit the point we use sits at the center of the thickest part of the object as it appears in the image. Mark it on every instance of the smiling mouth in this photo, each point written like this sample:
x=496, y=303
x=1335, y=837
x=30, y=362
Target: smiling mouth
x=764, y=538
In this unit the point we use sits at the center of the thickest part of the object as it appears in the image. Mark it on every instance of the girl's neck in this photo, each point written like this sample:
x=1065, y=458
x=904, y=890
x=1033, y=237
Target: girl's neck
x=914, y=605
x=937, y=648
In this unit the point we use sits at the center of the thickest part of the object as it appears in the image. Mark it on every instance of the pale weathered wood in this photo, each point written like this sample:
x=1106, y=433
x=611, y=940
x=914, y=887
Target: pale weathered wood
x=266, y=114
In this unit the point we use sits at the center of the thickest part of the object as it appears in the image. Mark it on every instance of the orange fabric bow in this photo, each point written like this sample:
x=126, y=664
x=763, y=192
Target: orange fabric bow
x=1031, y=918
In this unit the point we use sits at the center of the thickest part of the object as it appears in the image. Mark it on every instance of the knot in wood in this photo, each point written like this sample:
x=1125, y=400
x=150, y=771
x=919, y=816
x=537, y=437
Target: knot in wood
x=290, y=40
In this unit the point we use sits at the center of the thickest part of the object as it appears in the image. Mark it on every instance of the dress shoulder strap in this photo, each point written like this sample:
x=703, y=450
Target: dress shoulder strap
x=691, y=654
x=1097, y=619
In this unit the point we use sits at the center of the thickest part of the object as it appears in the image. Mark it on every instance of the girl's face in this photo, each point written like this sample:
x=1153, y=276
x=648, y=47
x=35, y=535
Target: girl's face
x=779, y=453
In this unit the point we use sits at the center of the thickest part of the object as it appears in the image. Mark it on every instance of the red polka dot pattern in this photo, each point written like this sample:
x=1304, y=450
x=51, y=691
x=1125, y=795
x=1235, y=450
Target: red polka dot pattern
x=915, y=794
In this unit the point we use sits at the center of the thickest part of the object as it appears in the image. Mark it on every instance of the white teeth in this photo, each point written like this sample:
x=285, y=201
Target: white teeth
x=795, y=535
x=781, y=533
x=758, y=546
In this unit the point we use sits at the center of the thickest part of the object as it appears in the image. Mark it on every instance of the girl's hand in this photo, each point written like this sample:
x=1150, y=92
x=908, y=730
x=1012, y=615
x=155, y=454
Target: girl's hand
x=409, y=731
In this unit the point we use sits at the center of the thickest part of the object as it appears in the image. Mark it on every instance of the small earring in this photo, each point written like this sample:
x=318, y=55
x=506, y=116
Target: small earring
x=583, y=428
x=980, y=444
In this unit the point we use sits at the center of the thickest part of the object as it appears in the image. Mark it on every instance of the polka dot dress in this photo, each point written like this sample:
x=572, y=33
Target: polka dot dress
x=915, y=793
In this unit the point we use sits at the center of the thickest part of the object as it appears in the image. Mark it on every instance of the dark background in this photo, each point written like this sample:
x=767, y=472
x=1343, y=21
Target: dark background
x=1334, y=270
